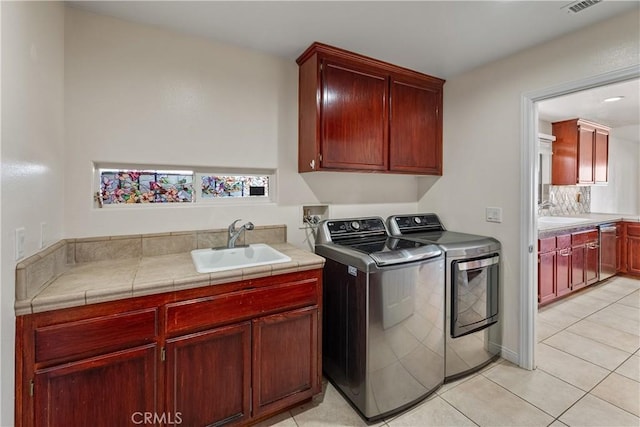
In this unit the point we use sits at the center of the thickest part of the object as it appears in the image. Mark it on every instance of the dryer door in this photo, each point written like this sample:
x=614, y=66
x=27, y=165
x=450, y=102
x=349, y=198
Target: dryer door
x=474, y=294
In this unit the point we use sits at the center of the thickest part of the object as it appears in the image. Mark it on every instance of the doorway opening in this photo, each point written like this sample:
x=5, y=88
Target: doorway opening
x=529, y=198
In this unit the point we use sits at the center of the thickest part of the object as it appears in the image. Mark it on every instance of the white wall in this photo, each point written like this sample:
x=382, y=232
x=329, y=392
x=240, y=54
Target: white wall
x=31, y=152
x=141, y=94
x=482, y=138
x=621, y=194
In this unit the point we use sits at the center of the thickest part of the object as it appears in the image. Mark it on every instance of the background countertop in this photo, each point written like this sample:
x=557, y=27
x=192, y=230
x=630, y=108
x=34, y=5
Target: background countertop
x=594, y=219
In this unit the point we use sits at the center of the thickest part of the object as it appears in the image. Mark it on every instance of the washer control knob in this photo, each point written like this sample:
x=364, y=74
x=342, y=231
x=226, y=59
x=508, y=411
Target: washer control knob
x=355, y=225
x=417, y=220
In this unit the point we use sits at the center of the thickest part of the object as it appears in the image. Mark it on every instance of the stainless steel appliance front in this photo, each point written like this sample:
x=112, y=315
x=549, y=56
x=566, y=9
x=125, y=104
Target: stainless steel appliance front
x=383, y=334
x=383, y=316
x=472, y=282
x=608, y=251
x=474, y=299
x=471, y=328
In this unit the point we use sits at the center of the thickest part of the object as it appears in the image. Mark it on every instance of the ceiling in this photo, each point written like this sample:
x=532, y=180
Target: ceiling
x=623, y=115
x=440, y=38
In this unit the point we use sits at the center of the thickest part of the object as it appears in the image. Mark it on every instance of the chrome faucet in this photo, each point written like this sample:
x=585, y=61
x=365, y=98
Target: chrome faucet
x=545, y=204
x=235, y=233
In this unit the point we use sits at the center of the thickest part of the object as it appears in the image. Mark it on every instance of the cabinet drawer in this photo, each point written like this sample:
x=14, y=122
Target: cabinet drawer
x=235, y=306
x=546, y=245
x=633, y=230
x=94, y=336
x=563, y=241
x=584, y=237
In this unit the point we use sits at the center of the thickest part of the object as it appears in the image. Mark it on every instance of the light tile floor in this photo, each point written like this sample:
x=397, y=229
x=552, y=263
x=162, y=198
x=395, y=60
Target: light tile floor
x=588, y=375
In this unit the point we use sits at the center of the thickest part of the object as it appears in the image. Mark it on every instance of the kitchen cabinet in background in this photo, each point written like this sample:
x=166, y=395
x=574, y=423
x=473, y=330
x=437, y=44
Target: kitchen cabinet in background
x=632, y=233
x=567, y=261
x=585, y=253
x=547, y=258
x=554, y=267
x=361, y=114
x=621, y=248
x=580, y=153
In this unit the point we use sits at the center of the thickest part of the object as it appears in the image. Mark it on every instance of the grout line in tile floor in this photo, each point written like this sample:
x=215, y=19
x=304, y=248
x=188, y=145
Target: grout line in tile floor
x=561, y=411
x=595, y=386
x=611, y=372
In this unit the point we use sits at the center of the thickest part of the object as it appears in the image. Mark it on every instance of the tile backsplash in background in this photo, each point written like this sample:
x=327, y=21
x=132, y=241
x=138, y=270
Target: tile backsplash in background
x=569, y=199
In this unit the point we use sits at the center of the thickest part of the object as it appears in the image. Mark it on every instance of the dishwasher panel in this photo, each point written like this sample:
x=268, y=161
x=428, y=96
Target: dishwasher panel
x=608, y=252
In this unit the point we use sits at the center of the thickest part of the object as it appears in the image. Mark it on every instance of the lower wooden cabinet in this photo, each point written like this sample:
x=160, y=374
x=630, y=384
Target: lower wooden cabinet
x=547, y=277
x=621, y=248
x=570, y=261
x=563, y=265
x=633, y=248
x=209, y=376
x=285, y=359
x=109, y=390
x=554, y=268
x=585, y=258
x=172, y=359
x=567, y=262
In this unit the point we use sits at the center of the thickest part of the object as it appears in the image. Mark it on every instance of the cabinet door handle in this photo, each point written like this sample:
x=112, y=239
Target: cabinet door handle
x=565, y=252
x=593, y=246
x=312, y=163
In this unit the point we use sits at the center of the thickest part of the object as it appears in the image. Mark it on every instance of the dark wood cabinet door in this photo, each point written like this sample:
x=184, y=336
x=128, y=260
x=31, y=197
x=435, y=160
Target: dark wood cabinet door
x=633, y=255
x=563, y=271
x=592, y=260
x=621, y=248
x=580, y=153
x=585, y=154
x=209, y=376
x=578, y=254
x=286, y=365
x=633, y=248
x=109, y=390
x=601, y=156
x=415, y=138
x=546, y=277
x=354, y=117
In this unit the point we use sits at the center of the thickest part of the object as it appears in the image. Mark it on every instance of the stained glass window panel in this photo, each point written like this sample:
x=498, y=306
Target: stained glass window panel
x=221, y=186
x=129, y=186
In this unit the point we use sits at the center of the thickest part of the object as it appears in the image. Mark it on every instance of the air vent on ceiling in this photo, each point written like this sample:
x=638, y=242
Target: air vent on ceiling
x=579, y=6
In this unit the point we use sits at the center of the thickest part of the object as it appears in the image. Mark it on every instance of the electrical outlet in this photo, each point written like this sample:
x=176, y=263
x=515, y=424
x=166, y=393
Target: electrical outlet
x=493, y=214
x=20, y=238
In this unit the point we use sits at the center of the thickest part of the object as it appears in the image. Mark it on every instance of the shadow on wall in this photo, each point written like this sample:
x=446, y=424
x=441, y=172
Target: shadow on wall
x=354, y=187
x=425, y=183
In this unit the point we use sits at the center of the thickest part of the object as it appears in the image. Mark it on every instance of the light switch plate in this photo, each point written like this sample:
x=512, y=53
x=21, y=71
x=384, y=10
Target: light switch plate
x=494, y=214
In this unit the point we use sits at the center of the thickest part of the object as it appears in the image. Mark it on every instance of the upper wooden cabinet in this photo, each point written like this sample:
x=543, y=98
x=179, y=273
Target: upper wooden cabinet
x=580, y=153
x=360, y=114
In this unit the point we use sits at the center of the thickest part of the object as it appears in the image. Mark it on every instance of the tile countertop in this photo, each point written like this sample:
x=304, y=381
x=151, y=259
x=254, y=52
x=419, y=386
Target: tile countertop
x=101, y=281
x=594, y=219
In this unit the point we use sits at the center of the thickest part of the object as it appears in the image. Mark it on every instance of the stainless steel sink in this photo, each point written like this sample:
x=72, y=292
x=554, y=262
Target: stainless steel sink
x=213, y=260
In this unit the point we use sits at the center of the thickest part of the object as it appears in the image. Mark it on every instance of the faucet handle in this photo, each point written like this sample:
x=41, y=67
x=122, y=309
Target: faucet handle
x=249, y=226
x=232, y=227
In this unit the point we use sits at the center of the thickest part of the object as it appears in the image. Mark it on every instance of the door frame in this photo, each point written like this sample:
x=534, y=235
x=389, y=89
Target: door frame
x=528, y=187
